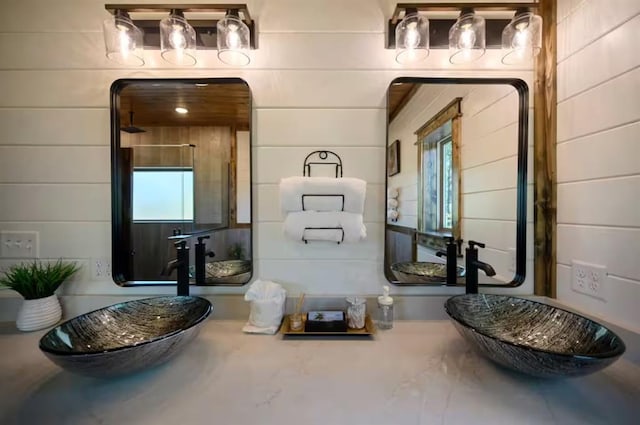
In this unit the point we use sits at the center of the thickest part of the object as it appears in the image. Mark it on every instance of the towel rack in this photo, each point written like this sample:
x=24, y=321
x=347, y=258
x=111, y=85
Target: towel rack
x=322, y=158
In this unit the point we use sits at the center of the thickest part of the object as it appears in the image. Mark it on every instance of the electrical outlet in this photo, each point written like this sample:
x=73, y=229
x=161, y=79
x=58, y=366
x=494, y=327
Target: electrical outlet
x=589, y=279
x=19, y=244
x=101, y=268
x=512, y=259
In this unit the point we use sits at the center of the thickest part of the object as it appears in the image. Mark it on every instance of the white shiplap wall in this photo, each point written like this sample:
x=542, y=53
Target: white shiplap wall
x=599, y=152
x=319, y=80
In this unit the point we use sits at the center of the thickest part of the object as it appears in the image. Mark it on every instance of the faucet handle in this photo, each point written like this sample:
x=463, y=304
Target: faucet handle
x=459, y=242
x=473, y=244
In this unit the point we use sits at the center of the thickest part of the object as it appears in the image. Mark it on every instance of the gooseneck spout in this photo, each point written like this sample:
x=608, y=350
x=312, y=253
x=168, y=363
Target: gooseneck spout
x=201, y=258
x=473, y=264
x=181, y=264
x=451, y=254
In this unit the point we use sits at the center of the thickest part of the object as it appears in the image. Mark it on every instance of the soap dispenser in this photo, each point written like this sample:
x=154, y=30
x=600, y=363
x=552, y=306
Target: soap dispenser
x=385, y=309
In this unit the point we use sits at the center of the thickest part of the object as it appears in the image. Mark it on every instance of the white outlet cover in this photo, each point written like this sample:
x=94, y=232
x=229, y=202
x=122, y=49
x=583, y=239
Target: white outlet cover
x=512, y=259
x=589, y=279
x=101, y=268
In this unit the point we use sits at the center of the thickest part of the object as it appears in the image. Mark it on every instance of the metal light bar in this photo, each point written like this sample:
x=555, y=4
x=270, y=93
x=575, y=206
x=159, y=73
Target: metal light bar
x=456, y=7
x=206, y=34
x=200, y=8
x=439, y=28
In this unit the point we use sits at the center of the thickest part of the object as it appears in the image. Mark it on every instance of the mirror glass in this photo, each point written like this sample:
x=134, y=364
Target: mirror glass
x=181, y=169
x=456, y=168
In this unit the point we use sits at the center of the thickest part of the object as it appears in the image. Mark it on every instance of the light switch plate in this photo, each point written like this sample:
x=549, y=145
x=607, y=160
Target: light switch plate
x=19, y=244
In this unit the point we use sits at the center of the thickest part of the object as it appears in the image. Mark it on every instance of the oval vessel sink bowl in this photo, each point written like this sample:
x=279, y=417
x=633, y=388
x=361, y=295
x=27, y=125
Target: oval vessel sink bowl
x=228, y=271
x=422, y=272
x=533, y=338
x=126, y=337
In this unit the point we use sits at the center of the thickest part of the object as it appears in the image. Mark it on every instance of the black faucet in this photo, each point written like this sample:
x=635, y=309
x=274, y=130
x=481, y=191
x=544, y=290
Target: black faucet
x=452, y=254
x=473, y=264
x=181, y=264
x=201, y=259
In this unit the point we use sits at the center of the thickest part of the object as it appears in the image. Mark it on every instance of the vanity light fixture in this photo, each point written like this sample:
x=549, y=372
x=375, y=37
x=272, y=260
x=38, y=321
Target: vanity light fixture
x=522, y=38
x=467, y=29
x=467, y=40
x=177, y=40
x=412, y=38
x=226, y=27
x=233, y=39
x=181, y=110
x=123, y=40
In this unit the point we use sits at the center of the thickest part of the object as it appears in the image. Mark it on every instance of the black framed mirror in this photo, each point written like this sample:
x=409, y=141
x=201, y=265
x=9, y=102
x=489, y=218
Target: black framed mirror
x=463, y=147
x=181, y=171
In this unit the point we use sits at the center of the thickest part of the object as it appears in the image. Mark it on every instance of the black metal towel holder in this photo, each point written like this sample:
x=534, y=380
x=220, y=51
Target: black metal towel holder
x=322, y=158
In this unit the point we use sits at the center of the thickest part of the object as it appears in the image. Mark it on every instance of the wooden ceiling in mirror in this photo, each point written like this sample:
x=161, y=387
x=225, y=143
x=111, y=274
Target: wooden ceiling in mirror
x=208, y=105
x=399, y=95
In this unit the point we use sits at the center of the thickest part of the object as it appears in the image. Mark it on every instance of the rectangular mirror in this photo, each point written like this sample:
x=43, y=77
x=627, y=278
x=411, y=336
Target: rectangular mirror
x=181, y=170
x=456, y=168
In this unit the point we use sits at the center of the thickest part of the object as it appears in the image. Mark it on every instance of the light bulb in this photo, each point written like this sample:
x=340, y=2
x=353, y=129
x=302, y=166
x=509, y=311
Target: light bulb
x=521, y=39
x=177, y=38
x=412, y=37
x=467, y=38
x=125, y=42
x=233, y=39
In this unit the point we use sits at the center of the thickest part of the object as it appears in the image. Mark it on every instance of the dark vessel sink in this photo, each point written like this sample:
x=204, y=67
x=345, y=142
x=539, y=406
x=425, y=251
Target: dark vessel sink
x=228, y=272
x=422, y=272
x=533, y=338
x=126, y=337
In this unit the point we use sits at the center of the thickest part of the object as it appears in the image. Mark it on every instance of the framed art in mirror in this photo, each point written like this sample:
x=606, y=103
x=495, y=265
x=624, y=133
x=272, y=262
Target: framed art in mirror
x=393, y=158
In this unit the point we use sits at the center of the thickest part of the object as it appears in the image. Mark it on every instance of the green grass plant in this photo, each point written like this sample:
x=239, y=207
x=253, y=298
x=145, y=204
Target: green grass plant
x=37, y=279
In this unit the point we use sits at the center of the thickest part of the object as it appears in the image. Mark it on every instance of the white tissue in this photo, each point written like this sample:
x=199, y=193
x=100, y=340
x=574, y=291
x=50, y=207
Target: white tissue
x=267, y=307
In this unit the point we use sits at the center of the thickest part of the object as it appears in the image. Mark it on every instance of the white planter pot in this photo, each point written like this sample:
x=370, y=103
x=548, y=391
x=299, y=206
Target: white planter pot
x=39, y=314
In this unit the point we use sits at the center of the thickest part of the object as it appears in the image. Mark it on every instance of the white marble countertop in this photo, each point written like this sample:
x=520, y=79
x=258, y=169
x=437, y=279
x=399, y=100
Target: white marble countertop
x=420, y=372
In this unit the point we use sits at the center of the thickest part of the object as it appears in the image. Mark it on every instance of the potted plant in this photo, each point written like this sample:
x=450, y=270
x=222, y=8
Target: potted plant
x=37, y=282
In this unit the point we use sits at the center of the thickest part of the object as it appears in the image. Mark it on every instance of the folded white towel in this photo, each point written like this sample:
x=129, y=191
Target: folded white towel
x=352, y=225
x=392, y=203
x=392, y=214
x=392, y=193
x=292, y=189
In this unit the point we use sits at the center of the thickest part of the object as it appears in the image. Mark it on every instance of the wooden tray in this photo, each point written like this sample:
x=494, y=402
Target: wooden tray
x=368, y=330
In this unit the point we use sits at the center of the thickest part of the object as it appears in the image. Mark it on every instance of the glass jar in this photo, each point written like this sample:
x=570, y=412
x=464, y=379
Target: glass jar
x=356, y=311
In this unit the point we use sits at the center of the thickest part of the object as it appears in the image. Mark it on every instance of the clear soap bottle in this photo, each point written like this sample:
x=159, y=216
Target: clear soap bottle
x=385, y=309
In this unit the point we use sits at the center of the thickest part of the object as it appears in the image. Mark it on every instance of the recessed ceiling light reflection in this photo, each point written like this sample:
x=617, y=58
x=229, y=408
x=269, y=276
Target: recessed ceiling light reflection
x=181, y=110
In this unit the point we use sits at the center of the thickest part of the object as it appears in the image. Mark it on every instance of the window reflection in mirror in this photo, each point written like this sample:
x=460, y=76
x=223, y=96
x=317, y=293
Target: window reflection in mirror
x=181, y=167
x=463, y=150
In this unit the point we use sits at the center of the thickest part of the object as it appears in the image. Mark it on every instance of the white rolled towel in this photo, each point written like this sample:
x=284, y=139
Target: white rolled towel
x=292, y=190
x=392, y=193
x=392, y=214
x=297, y=226
x=392, y=203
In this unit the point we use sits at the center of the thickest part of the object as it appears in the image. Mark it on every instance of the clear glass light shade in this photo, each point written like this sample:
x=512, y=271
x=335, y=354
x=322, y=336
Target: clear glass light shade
x=177, y=41
x=233, y=41
x=412, y=39
x=467, y=40
x=123, y=40
x=522, y=38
